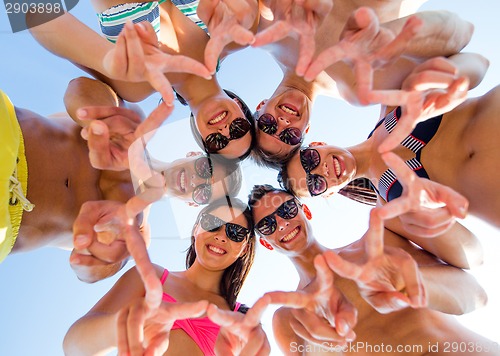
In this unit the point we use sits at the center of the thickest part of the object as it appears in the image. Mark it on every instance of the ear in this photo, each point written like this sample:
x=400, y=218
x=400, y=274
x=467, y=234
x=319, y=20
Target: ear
x=193, y=204
x=316, y=143
x=308, y=127
x=327, y=195
x=261, y=104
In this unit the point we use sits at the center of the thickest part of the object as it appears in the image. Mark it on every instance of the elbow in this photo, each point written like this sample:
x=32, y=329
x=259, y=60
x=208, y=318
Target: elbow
x=457, y=34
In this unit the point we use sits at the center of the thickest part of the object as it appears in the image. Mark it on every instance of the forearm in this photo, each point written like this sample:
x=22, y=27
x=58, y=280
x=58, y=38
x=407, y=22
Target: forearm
x=96, y=273
x=471, y=65
x=69, y=38
x=451, y=290
x=443, y=33
x=91, y=335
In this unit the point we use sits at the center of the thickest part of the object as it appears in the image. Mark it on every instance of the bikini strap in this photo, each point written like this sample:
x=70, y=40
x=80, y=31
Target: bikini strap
x=164, y=276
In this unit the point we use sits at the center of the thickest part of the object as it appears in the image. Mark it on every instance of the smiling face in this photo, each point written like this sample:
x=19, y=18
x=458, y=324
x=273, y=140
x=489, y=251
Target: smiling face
x=194, y=179
x=214, y=249
x=325, y=169
x=222, y=119
x=290, y=236
x=286, y=119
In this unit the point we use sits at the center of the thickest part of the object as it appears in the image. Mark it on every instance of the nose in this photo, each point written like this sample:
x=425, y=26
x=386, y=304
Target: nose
x=283, y=121
x=282, y=223
x=220, y=236
x=325, y=169
x=224, y=130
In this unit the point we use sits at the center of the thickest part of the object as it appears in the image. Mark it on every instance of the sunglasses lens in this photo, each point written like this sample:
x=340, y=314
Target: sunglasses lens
x=316, y=184
x=235, y=232
x=203, y=167
x=210, y=223
x=310, y=159
x=267, y=225
x=267, y=124
x=215, y=142
x=238, y=128
x=291, y=136
x=202, y=194
x=288, y=210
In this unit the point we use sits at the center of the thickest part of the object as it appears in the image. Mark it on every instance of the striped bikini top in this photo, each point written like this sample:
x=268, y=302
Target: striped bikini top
x=388, y=185
x=113, y=19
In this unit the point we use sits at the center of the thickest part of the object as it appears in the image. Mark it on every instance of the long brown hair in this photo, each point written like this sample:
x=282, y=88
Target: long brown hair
x=234, y=275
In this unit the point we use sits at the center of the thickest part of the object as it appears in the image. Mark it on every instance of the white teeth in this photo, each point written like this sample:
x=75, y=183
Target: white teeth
x=289, y=110
x=216, y=250
x=218, y=118
x=291, y=235
x=183, y=180
x=336, y=165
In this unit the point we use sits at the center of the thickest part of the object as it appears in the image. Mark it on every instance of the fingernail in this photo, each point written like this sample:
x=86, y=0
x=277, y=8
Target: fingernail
x=463, y=210
x=85, y=133
x=74, y=259
x=401, y=303
x=342, y=328
x=208, y=77
x=81, y=113
x=97, y=129
x=81, y=240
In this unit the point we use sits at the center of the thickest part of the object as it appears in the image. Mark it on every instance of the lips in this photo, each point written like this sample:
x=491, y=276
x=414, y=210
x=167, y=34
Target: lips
x=216, y=250
x=181, y=180
x=289, y=109
x=218, y=118
x=337, y=166
x=291, y=235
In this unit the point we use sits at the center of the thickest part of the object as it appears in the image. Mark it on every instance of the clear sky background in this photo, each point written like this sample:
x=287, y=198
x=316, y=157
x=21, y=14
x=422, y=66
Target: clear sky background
x=40, y=297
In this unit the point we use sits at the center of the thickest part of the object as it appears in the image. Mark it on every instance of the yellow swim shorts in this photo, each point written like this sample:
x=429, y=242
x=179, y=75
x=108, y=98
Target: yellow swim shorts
x=12, y=159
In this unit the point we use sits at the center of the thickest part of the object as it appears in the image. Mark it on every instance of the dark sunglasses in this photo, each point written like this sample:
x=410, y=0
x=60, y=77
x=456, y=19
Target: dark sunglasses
x=316, y=183
x=291, y=136
x=217, y=141
x=234, y=232
x=288, y=210
x=203, y=192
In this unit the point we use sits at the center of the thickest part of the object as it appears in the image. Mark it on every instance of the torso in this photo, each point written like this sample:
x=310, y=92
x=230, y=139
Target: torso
x=60, y=180
x=467, y=142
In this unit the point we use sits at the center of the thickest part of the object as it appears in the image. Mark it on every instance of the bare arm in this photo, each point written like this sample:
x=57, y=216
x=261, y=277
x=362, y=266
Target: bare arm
x=443, y=33
x=95, y=333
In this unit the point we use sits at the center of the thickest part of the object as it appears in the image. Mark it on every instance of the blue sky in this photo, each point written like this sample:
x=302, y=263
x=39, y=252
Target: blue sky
x=40, y=296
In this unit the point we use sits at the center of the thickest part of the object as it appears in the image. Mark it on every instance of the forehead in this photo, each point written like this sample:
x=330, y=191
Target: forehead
x=269, y=203
x=297, y=176
x=229, y=214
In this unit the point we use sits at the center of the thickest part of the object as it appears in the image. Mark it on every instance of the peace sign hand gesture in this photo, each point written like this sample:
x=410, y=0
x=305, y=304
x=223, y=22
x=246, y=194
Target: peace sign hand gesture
x=388, y=278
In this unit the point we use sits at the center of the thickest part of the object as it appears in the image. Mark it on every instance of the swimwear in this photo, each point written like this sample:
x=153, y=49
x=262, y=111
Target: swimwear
x=13, y=177
x=388, y=185
x=113, y=19
x=203, y=331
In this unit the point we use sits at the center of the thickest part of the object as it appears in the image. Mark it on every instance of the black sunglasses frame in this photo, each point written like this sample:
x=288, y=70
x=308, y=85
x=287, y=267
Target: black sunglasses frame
x=215, y=142
x=312, y=179
x=205, y=189
x=234, y=232
x=283, y=212
x=285, y=135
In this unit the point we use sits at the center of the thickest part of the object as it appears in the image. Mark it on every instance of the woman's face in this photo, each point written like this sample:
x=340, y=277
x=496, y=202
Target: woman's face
x=214, y=249
x=195, y=179
x=325, y=169
x=222, y=125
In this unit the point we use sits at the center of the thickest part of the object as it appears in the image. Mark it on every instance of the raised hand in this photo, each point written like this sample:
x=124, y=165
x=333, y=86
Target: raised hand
x=433, y=88
x=297, y=18
x=241, y=334
x=365, y=46
x=425, y=208
x=142, y=330
x=227, y=21
x=112, y=130
x=137, y=57
x=321, y=312
x=388, y=278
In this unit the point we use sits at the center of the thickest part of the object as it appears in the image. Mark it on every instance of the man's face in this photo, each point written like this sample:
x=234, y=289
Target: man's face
x=286, y=234
x=196, y=179
x=282, y=121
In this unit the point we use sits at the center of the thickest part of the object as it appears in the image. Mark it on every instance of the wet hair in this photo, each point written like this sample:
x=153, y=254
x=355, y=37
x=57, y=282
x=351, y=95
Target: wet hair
x=234, y=275
x=246, y=112
x=268, y=159
x=359, y=189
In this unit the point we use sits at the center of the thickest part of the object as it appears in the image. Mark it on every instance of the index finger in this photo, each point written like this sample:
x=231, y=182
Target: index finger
x=154, y=120
x=275, y=32
x=374, y=237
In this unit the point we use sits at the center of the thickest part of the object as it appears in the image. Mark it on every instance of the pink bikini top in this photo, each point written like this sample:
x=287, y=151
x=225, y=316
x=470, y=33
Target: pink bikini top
x=202, y=330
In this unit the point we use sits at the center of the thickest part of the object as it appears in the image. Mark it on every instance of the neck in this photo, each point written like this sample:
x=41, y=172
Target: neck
x=304, y=262
x=196, y=89
x=204, y=279
x=363, y=154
